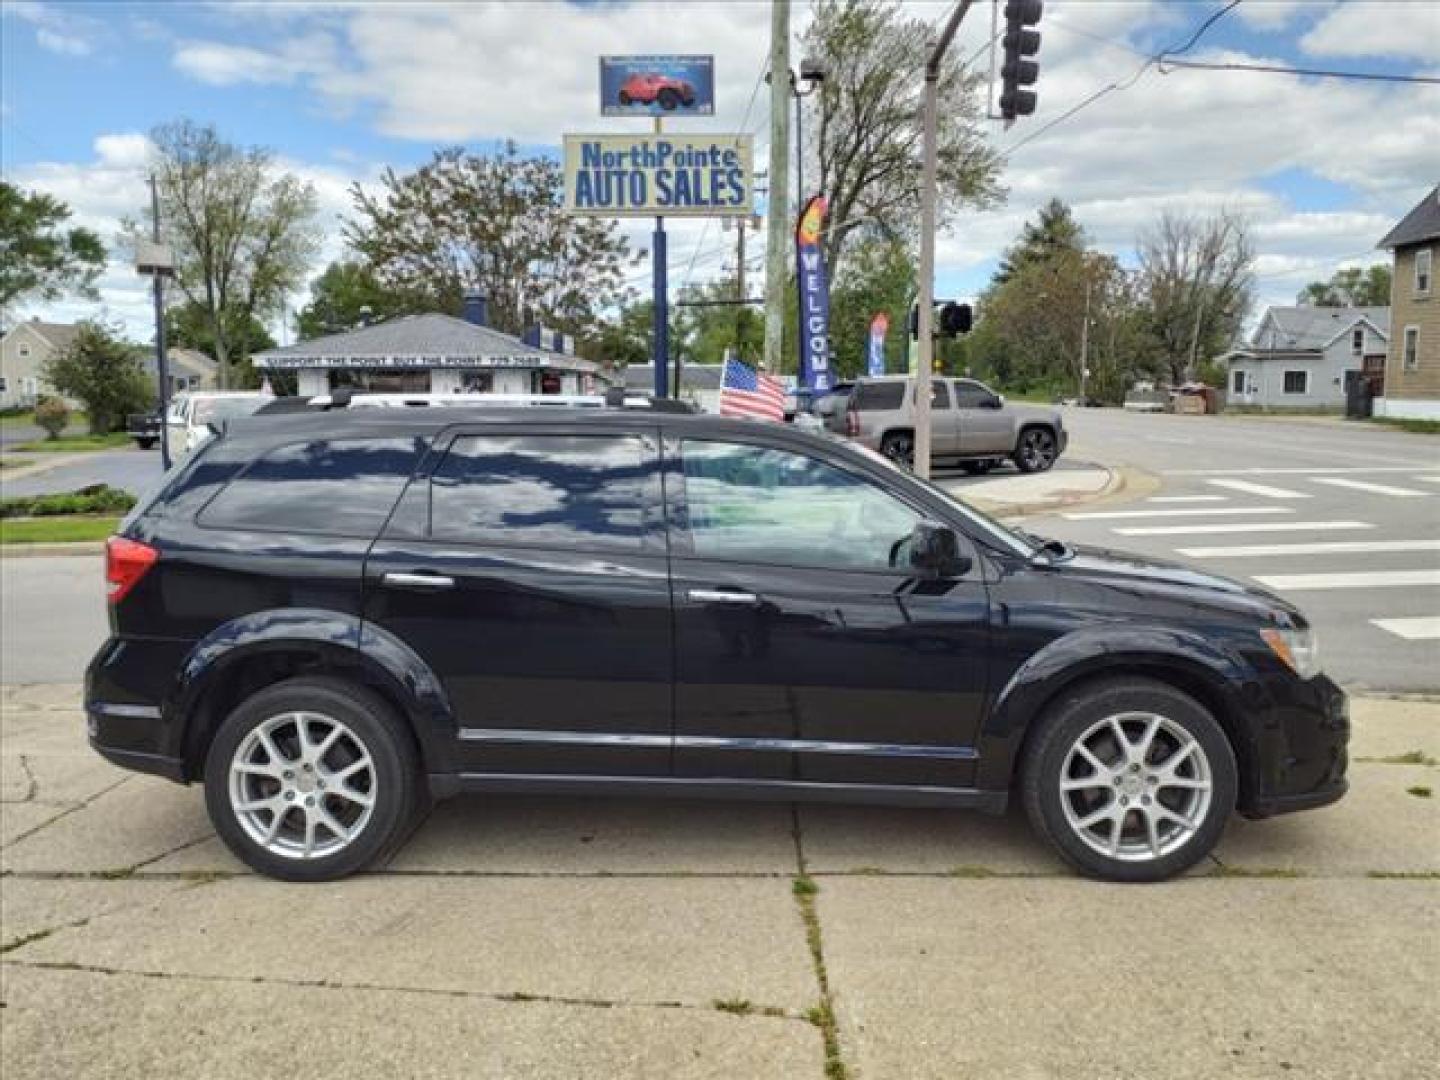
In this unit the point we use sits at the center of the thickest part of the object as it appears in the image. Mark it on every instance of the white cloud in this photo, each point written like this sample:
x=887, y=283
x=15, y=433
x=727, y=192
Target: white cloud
x=1408, y=30
x=223, y=64
x=57, y=29
x=1276, y=14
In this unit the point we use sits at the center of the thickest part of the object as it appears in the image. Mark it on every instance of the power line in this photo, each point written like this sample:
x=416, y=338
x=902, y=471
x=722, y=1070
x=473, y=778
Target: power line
x=1278, y=70
x=1200, y=31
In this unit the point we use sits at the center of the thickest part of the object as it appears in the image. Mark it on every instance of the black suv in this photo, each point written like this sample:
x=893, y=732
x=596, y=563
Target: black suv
x=332, y=619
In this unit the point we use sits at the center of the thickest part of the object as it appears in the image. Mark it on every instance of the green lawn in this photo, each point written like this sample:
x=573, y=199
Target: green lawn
x=75, y=444
x=55, y=529
x=1417, y=427
x=77, y=421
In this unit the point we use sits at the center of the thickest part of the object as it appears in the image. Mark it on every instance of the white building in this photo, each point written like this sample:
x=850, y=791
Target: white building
x=1307, y=357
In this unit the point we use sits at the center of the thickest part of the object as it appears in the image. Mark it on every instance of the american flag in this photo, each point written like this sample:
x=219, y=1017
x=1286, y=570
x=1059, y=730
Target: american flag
x=743, y=392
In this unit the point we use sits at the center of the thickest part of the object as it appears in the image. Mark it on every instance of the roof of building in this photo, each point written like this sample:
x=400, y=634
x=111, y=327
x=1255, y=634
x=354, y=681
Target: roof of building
x=179, y=358
x=692, y=376
x=1419, y=225
x=1306, y=327
x=430, y=340
x=57, y=335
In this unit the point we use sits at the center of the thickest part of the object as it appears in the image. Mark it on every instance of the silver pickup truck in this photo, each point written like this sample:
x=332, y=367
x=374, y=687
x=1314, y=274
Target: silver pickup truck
x=969, y=424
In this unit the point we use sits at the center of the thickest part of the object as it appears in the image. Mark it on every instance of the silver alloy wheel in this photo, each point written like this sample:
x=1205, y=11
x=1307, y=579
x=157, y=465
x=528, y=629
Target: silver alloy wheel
x=1136, y=786
x=1039, y=449
x=302, y=785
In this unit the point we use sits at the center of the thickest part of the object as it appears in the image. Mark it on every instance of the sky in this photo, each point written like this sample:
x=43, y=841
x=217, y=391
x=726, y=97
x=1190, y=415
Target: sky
x=341, y=90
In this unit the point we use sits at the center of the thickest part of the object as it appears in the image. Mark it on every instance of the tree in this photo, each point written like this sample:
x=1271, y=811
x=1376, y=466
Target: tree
x=877, y=277
x=866, y=143
x=52, y=414
x=1351, y=286
x=103, y=373
x=347, y=294
x=1195, y=274
x=495, y=223
x=38, y=257
x=187, y=326
x=1056, y=232
x=244, y=233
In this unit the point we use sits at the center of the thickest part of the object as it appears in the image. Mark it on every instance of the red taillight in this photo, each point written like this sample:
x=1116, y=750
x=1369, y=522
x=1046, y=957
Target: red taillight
x=852, y=423
x=126, y=562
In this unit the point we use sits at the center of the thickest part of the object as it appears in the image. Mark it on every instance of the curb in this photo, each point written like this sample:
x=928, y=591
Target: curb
x=30, y=551
x=1124, y=484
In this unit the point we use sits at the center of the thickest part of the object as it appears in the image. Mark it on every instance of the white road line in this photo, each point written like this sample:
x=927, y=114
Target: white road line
x=1289, y=471
x=1244, y=526
x=1115, y=514
x=1362, y=579
x=1260, y=489
x=1427, y=479
x=1336, y=547
x=1187, y=498
x=1374, y=489
x=1423, y=628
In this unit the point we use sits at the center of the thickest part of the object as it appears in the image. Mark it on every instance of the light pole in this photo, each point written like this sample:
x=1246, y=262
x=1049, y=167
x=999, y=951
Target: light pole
x=1085, y=343
x=155, y=259
x=812, y=74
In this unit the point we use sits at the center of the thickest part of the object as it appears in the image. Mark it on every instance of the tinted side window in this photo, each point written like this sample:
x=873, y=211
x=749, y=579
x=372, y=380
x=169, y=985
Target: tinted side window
x=756, y=504
x=878, y=396
x=971, y=395
x=573, y=491
x=334, y=487
x=939, y=394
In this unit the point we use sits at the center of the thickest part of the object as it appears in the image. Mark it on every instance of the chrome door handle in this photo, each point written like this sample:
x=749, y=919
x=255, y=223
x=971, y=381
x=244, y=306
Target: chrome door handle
x=423, y=582
x=721, y=596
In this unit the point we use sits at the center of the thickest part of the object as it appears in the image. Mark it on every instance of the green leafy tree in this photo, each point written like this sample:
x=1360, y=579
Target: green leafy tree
x=348, y=293
x=1055, y=233
x=877, y=277
x=103, y=373
x=496, y=223
x=52, y=414
x=1351, y=286
x=245, y=234
x=188, y=326
x=865, y=143
x=39, y=258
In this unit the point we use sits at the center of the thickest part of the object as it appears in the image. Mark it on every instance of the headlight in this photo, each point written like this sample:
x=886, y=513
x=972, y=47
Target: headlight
x=1299, y=649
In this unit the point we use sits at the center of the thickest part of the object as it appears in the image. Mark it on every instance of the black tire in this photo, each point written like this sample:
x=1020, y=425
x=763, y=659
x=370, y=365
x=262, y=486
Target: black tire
x=979, y=468
x=397, y=792
x=668, y=99
x=1036, y=450
x=1046, y=760
x=145, y=444
x=899, y=447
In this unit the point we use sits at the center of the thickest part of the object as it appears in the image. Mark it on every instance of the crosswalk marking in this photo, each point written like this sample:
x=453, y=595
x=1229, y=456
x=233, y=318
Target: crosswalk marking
x=1421, y=628
x=1361, y=579
x=1113, y=514
x=1187, y=498
x=1336, y=547
x=1293, y=470
x=1243, y=526
x=1374, y=489
x=1260, y=489
x=1428, y=479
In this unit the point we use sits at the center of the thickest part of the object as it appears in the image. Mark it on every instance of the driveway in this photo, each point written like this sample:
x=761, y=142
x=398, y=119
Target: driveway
x=562, y=938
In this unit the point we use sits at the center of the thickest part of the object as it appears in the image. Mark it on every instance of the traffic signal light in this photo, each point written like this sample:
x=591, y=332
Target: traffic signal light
x=1017, y=71
x=955, y=319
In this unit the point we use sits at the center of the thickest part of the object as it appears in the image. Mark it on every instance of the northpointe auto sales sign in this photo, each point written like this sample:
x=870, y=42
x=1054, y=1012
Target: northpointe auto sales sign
x=658, y=175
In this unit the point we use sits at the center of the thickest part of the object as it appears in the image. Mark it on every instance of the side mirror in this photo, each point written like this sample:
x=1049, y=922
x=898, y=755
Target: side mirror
x=935, y=551
x=998, y=401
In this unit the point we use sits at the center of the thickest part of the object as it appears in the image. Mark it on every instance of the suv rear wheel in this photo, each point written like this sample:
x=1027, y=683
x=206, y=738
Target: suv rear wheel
x=312, y=779
x=1037, y=450
x=899, y=447
x=1130, y=780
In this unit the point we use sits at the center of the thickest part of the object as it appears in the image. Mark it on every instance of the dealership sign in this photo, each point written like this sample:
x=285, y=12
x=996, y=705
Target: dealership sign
x=659, y=175
x=657, y=85
x=814, y=297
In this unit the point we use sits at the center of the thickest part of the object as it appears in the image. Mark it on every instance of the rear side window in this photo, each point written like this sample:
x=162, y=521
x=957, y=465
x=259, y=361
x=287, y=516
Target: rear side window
x=971, y=395
x=571, y=491
x=875, y=397
x=329, y=487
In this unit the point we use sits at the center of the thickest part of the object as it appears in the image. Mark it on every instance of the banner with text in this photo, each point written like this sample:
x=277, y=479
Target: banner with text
x=879, y=327
x=659, y=175
x=814, y=298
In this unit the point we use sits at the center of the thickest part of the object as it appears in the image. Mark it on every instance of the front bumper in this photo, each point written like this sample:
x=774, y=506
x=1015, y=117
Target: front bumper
x=1302, y=748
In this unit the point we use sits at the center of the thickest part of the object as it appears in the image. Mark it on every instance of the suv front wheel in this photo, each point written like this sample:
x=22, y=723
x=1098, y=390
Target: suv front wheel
x=312, y=779
x=1037, y=450
x=1130, y=780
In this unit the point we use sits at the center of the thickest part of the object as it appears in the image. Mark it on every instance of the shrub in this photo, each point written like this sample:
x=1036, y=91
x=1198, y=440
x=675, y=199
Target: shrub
x=52, y=414
x=95, y=499
x=103, y=373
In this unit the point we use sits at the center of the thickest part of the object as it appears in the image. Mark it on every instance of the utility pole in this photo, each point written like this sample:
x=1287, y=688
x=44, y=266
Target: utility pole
x=777, y=246
x=1085, y=343
x=162, y=360
x=740, y=293
x=660, y=323
x=926, y=290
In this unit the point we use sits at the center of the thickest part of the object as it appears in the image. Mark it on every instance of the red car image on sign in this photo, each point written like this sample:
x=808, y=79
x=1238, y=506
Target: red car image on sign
x=653, y=87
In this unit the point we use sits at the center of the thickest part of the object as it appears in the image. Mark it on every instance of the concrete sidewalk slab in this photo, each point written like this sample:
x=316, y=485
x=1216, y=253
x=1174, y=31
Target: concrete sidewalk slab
x=1378, y=827
x=1200, y=978
x=30, y=906
x=1383, y=727
x=640, y=940
x=848, y=839
x=134, y=1026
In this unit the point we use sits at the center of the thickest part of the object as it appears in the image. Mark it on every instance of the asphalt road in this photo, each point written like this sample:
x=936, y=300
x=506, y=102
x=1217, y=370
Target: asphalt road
x=1342, y=518
x=130, y=469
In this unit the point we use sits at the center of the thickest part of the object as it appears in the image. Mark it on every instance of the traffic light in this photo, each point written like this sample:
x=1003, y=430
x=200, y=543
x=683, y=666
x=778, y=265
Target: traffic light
x=1017, y=71
x=955, y=319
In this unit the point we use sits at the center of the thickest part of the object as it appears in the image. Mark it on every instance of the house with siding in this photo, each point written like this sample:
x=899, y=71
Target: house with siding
x=23, y=353
x=1306, y=358
x=1412, y=365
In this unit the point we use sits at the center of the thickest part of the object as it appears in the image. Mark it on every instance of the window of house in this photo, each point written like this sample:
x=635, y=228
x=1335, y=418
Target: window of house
x=24, y=349
x=550, y=491
x=1412, y=348
x=4, y=385
x=1237, y=381
x=1423, y=266
x=1297, y=382
x=1357, y=340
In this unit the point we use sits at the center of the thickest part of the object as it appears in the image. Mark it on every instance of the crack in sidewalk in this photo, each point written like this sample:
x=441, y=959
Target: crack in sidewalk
x=823, y=1014
x=65, y=813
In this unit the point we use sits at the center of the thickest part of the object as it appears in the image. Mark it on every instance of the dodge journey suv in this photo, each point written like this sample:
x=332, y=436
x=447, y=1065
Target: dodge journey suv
x=331, y=619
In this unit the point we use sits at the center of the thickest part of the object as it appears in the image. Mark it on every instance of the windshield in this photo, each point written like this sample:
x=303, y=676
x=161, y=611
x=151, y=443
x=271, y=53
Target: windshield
x=1021, y=543
x=209, y=410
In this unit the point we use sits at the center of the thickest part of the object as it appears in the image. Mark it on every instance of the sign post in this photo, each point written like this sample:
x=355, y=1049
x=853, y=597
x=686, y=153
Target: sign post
x=660, y=305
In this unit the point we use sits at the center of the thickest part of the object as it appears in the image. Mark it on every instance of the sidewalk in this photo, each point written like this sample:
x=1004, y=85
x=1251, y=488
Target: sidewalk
x=559, y=938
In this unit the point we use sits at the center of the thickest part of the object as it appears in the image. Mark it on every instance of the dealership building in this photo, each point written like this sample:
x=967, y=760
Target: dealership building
x=437, y=354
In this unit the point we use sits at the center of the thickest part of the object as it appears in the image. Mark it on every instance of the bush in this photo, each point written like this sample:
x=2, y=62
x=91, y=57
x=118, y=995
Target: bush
x=102, y=372
x=95, y=499
x=52, y=414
